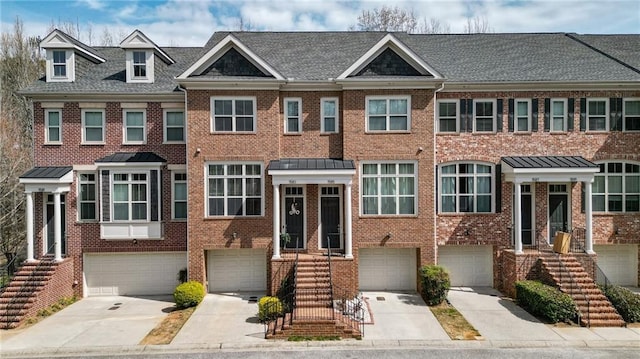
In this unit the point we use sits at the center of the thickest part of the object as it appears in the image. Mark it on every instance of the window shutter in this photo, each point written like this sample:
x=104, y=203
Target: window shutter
x=534, y=115
x=511, y=109
x=570, y=113
x=615, y=117
x=583, y=114
x=463, y=115
x=498, y=188
x=499, y=115
x=105, y=192
x=153, y=178
x=437, y=193
x=469, y=115
x=547, y=114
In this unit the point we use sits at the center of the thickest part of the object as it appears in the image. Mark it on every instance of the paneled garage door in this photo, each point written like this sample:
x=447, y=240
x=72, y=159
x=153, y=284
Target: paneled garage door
x=387, y=268
x=468, y=265
x=619, y=262
x=132, y=273
x=231, y=270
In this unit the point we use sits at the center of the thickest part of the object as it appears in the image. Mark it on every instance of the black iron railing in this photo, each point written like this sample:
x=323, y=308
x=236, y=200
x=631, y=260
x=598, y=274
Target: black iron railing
x=8, y=271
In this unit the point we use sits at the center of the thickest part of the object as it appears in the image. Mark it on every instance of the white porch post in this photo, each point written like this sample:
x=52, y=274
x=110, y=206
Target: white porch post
x=57, y=226
x=29, y=220
x=348, y=250
x=276, y=221
x=518, y=217
x=588, y=212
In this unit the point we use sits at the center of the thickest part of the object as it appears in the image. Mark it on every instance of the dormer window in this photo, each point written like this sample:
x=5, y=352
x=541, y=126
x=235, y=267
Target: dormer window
x=59, y=63
x=139, y=64
x=62, y=50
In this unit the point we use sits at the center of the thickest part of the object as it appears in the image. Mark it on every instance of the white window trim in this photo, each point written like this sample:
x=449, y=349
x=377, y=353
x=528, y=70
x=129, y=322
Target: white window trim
x=125, y=141
x=388, y=98
x=606, y=113
x=149, y=66
x=565, y=114
x=397, y=196
x=515, y=115
x=457, y=103
x=286, y=116
x=475, y=193
x=79, y=198
x=494, y=115
x=323, y=115
x=165, y=126
x=226, y=163
x=84, y=127
x=606, y=193
x=624, y=114
x=112, y=183
x=70, y=68
x=233, y=115
x=47, y=126
x=173, y=195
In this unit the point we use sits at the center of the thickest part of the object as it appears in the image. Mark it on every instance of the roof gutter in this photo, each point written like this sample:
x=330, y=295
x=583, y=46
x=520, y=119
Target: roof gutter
x=453, y=86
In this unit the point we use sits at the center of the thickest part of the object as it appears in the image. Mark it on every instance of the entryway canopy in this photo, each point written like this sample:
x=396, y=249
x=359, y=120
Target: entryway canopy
x=548, y=169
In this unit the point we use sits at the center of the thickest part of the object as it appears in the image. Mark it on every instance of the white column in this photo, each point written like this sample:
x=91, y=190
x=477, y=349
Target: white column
x=348, y=245
x=518, y=216
x=588, y=213
x=276, y=221
x=57, y=226
x=29, y=220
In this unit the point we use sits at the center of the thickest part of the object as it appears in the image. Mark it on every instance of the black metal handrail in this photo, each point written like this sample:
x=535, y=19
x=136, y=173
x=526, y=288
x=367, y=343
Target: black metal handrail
x=8, y=271
x=330, y=274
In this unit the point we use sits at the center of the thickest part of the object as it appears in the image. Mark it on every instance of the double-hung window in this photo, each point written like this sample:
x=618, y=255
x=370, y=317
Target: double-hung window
x=234, y=189
x=329, y=115
x=179, y=191
x=174, y=126
x=558, y=115
x=53, y=126
x=292, y=115
x=93, y=126
x=522, y=115
x=466, y=187
x=631, y=114
x=617, y=187
x=139, y=64
x=130, y=197
x=87, y=196
x=59, y=63
x=448, y=112
x=389, y=188
x=388, y=113
x=597, y=113
x=233, y=114
x=134, y=126
x=484, y=116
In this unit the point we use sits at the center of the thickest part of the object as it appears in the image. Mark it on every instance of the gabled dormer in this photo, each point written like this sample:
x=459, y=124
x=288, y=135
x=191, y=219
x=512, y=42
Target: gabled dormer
x=61, y=50
x=140, y=54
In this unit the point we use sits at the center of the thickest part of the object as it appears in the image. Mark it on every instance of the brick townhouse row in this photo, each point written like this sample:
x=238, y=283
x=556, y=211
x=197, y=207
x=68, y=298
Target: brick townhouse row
x=390, y=150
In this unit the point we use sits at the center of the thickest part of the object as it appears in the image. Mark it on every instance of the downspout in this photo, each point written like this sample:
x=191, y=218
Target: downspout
x=435, y=194
x=186, y=141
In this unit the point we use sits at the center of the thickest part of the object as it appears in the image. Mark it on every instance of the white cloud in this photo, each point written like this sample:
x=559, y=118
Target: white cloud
x=92, y=4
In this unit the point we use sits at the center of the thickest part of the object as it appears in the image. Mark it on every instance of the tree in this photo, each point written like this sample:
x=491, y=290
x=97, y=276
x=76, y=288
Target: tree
x=477, y=25
x=20, y=64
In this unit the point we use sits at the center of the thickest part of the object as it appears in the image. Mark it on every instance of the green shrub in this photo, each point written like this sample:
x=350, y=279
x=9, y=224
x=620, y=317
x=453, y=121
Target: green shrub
x=269, y=308
x=435, y=284
x=545, y=301
x=188, y=294
x=625, y=301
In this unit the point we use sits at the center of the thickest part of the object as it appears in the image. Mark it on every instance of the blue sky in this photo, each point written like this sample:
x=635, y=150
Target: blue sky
x=191, y=22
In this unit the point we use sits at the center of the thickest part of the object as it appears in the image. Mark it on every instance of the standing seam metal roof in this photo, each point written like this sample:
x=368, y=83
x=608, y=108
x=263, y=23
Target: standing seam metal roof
x=548, y=162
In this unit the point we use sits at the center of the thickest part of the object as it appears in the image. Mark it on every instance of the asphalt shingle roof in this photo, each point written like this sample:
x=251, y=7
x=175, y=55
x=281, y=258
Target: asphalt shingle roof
x=548, y=162
x=47, y=172
x=625, y=48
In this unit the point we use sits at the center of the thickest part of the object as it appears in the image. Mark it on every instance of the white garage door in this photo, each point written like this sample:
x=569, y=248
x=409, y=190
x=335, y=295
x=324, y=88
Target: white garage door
x=619, y=262
x=132, y=273
x=468, y=265
x=231, y=270
x=387, y=268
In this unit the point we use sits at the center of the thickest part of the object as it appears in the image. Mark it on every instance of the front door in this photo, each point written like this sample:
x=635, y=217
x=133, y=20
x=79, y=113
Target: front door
x=558, y=210
x=330, y=214
x=526, y=215
x=294, y=217
x=50, y=227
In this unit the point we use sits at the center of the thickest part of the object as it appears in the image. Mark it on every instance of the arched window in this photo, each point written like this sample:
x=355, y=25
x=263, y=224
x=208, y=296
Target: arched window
x=616, y=188
x=466, y=187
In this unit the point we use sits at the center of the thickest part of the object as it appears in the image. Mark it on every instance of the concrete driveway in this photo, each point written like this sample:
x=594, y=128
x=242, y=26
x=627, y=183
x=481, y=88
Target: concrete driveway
x=112, y=321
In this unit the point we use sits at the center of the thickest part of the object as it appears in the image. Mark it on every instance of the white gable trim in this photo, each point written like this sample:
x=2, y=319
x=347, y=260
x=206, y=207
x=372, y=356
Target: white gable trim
x=59, y=40
x=390, y=41
x=138, y=40
x=220, y=49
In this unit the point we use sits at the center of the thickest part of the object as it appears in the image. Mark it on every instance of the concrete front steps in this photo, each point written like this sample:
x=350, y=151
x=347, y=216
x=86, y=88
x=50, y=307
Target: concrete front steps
x=569, y=275
x=21, y=294
x=314, y=314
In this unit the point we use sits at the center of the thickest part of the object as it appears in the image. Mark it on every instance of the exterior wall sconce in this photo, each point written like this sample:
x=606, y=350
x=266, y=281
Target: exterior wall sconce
x=234, y=235
x=467, y=232
x=135, y=241
x=388, y=236
x=616, y=230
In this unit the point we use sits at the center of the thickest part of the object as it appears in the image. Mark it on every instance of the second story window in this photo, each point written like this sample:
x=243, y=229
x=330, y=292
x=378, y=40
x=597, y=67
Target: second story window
x=631, y=114
x=87, y=198
x=59, y=63
x=233, y=114
x=597, y=113
x=388, y=114
x=465, y=187
x=93, y=126
x=234, y=189
x=139, y=64
x=134, y=127
x=389, y=188
x=448, y=116
x=616, y=188
x=293, y=115
x=130, y=197
x=558, y=115
x=179, y=191
x=484, y=116
x=53, y=126
x=329, y=115
x=174, y=126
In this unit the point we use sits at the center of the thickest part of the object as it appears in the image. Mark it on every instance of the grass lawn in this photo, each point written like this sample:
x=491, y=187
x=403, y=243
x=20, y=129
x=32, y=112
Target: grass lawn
x=453, y=322
x=164, y=332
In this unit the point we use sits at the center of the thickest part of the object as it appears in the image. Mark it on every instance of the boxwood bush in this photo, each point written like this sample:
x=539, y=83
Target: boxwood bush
x=626, y=302
x=545, y=301
x=269, y=308
x=435, y=284
x=188, y=294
